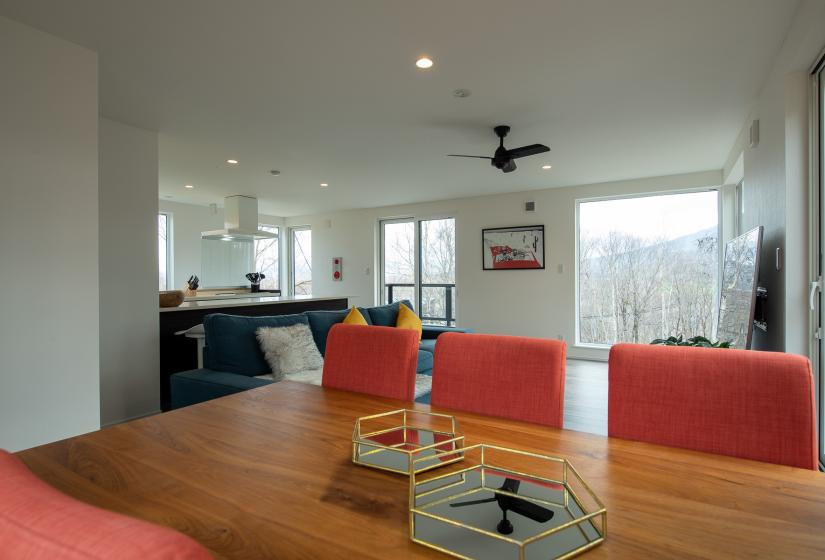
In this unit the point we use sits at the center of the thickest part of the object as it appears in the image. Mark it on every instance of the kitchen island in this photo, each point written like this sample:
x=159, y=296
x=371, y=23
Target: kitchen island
x=179, y=353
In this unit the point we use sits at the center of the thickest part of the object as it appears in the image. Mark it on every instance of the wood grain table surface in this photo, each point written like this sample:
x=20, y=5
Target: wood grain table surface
x=267, y=473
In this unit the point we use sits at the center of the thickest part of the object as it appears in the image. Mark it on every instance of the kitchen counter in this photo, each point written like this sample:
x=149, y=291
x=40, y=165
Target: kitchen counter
x=241, y=301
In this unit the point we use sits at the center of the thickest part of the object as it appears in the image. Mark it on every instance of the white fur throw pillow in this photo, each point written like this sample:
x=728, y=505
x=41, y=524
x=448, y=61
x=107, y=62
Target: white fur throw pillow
x=289, y=350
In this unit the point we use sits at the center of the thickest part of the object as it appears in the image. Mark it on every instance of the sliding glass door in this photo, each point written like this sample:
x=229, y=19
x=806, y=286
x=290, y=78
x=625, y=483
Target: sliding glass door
x=818, y=241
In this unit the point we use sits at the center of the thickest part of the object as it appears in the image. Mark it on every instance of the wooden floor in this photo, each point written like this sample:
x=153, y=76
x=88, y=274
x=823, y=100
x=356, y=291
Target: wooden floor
x=585, y=396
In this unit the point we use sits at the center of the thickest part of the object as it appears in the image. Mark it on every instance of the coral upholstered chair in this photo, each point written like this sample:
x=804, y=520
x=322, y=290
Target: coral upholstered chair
x=507, y=376
x=754, y=405
x=39, y=523
x=375, y=360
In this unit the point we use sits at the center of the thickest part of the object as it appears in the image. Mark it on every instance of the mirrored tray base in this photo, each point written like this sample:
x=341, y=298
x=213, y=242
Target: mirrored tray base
x=505, y=504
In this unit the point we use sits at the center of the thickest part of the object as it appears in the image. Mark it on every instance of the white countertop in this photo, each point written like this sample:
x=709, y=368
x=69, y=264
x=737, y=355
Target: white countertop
x=244, y=302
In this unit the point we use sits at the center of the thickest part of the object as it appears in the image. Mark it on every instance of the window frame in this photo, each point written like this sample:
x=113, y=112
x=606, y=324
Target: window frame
x=416, y=220
x=577, y=343
x=291, y=256
x=170, y=268
x=381, y=258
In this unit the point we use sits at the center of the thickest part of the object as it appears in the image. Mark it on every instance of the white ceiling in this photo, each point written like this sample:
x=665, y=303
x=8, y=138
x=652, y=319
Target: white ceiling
x=326, y=90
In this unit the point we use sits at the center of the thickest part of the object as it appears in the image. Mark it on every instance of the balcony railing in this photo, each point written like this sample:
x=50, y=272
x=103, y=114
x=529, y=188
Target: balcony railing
x=449, y=314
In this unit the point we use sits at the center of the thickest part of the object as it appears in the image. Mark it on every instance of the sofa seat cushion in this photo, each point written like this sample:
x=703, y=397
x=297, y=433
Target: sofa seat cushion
x=387, y=315
x=423, y=383
x=425, y=362
x=320, y=322
x=428, y=345
x=39, y=522
x=232, y=345
x=199, y=385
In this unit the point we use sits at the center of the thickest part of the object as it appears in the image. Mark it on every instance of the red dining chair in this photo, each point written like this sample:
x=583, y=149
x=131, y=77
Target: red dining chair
x=753, y=405
x=506, y=376
x=378, y=361
x=39, y=523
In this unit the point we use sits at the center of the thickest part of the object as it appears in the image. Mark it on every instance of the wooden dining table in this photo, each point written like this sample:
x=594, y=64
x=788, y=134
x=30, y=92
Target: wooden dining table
x=267, y=473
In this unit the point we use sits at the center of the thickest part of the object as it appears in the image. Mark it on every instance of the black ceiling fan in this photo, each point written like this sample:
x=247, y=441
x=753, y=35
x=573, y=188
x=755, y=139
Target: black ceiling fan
x=510, y=503
x=503, y=158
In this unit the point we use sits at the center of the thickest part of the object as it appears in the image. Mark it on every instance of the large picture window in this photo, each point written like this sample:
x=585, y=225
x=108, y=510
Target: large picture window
x=647, y=267
x=418, y=264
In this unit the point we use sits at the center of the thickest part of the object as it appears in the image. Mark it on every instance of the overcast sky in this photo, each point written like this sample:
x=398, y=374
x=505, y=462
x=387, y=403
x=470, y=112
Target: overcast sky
x=648, y=217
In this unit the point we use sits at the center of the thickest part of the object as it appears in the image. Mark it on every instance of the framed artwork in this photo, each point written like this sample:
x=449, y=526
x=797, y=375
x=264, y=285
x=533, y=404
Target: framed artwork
x=513, y=248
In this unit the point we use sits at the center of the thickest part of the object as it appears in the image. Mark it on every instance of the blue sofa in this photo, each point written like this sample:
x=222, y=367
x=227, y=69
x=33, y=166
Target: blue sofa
x=232, y=357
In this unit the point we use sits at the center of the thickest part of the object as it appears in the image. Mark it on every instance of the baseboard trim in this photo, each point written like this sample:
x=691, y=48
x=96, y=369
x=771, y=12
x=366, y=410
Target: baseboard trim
x=138, y=417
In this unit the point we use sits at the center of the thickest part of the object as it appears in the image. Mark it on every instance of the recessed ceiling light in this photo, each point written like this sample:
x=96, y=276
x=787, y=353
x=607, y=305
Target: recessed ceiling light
x=547, y=167
x=424, y=63
x=232, y=161
x=324, y=185
x=189, y=186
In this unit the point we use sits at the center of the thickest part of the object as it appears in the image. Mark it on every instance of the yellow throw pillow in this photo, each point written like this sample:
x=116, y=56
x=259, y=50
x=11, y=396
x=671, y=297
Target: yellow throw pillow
x=354, y=317
x=407, y=319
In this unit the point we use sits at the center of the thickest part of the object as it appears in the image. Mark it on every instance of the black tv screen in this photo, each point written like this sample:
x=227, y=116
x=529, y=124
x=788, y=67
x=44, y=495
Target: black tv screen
x=737, y=298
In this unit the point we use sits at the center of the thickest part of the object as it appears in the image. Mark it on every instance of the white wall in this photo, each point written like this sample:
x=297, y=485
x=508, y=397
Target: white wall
x=129, y=342
x=776, y=181
x=188, y=221
x=49, y=349
x=534, y=303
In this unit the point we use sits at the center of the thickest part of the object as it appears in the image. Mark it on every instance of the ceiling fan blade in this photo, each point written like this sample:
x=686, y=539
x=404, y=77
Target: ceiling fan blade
x=474, y=502
x=509, y=167
x=461, y=155
x=525, y=151
x=530, y=510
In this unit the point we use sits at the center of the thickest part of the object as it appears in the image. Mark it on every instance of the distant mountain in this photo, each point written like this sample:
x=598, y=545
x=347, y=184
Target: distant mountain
x=683, y=244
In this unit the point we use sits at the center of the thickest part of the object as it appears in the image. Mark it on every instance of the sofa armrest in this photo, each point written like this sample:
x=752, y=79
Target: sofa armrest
x=199, y=385
x=431, y=332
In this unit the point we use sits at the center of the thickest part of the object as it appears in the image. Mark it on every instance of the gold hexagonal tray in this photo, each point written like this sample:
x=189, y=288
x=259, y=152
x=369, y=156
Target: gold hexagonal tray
x=390, y=441
x=504, y=504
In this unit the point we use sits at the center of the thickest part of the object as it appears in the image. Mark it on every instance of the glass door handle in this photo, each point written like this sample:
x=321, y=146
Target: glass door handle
x=816, y=286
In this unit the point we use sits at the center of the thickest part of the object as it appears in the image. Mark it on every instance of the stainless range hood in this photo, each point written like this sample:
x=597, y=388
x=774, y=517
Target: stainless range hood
x=240, y=221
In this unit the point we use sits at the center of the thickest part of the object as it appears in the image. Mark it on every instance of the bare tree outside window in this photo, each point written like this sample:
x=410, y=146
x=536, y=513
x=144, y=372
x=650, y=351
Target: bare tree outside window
x=302, y=261
x=399, y=261
x=267, y=254
x=163, y=252
x=438, y=269
x=648, y=267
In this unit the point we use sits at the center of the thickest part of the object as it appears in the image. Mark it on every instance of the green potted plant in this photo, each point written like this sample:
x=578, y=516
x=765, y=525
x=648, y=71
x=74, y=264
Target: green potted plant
x=697, y=341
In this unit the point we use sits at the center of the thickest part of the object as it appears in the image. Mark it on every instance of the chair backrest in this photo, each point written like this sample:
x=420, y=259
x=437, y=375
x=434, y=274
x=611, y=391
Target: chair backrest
x=754, y=405
x=506, y=376
x=38, y=522
x=374, y=360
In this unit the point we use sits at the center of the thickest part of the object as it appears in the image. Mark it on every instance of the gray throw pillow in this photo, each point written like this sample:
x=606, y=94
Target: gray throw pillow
x=289, y=350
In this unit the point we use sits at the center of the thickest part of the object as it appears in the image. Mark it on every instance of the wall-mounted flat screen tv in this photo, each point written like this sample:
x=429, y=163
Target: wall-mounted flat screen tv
x=737, y=298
